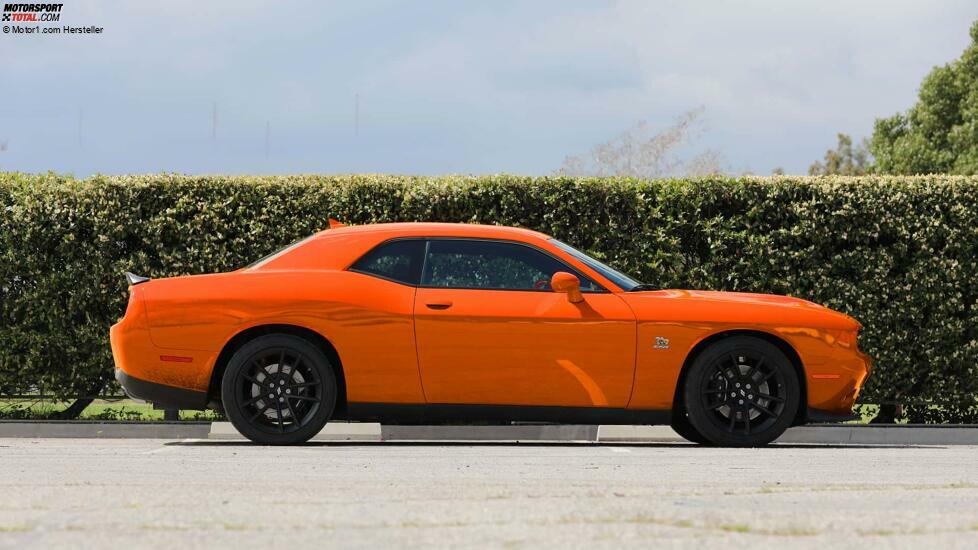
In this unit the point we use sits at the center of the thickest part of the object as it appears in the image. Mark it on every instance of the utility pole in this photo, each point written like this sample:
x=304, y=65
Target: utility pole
x=268, y=137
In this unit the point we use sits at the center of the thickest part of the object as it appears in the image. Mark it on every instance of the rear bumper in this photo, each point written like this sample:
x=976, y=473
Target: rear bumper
x=165, y=397
x=170, y=378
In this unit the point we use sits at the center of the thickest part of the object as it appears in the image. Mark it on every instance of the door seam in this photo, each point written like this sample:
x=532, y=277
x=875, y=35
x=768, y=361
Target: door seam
x=631, y=392
x=417, y=348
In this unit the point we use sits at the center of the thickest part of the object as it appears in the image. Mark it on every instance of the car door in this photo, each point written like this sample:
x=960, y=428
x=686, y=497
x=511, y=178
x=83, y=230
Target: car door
x=490, y=330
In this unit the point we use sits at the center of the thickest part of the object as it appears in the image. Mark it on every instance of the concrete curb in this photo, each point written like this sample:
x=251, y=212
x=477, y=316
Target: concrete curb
x=108, y=430
x=827, y=434
x=869, y=434
x=334, y=431
x=638, y=434
x=568, y=432
x=824, y=434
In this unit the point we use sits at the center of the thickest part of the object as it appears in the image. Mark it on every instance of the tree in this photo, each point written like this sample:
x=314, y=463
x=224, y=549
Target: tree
x=844, y=160
x=940, y=133
x=638, y=153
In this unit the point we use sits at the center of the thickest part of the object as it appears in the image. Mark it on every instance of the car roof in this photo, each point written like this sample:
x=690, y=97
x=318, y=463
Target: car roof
x=432, y=229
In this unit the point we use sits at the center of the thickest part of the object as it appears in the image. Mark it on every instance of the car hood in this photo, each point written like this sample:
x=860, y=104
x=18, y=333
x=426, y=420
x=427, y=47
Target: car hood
x=735, y=307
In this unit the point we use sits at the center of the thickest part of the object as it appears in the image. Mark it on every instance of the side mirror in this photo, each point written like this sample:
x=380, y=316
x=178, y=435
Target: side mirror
x=568, y=283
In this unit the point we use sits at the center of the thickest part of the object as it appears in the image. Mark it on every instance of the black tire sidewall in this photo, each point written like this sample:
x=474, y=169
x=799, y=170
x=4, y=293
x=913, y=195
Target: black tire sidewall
x=698, y=416
x=681, y=425
x=311, y=354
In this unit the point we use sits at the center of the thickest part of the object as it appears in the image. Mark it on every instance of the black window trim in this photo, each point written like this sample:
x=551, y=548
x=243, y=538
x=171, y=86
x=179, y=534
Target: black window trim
x=424, y=265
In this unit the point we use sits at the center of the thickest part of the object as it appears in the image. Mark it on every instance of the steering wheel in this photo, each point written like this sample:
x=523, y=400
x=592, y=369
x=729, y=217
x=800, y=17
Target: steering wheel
x=541, y=284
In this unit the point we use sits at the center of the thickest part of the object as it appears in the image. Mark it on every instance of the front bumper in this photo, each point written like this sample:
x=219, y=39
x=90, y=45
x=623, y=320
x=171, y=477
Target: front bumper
x=834, y=383
x=161, y=395
x=817, y=416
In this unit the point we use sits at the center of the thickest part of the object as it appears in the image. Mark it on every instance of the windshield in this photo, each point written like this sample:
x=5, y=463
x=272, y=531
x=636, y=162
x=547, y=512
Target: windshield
x=615, y=276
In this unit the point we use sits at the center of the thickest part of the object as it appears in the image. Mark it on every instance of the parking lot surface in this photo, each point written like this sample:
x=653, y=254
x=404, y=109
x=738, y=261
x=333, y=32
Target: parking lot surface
x=197, y=494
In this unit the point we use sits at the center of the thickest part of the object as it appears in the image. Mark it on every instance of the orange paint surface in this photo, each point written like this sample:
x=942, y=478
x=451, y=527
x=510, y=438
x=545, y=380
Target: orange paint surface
x=486, y=346
x=494, y=348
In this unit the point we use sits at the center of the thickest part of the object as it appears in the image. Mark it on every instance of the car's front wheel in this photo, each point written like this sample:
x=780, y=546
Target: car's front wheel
x=741, y=392
x=279, y=389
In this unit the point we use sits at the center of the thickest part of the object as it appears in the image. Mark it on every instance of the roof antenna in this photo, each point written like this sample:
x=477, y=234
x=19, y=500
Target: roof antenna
x=334, y=223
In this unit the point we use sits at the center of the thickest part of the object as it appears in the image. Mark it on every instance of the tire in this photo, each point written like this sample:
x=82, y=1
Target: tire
x=741, y=392
x=298, y=377
x=681, y=425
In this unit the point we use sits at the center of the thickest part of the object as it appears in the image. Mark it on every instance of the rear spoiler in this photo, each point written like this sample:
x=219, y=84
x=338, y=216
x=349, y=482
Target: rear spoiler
x=135, y=279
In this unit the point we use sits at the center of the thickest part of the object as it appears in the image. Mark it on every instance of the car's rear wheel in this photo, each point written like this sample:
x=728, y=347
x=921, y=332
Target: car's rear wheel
x=279, y=390
x=741, y=392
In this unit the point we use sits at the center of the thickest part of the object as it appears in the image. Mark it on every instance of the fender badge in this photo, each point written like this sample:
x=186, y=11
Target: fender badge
x=661, y=343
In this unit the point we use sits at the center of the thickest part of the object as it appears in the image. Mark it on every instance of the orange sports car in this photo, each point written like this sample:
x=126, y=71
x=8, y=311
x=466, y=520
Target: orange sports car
x=430, y=323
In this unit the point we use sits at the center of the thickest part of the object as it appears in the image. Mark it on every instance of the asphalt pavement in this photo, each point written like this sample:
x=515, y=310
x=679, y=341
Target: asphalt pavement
x=133, y=493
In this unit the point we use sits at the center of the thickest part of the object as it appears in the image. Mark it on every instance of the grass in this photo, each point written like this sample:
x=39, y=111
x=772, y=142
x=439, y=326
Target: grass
x=100, y=409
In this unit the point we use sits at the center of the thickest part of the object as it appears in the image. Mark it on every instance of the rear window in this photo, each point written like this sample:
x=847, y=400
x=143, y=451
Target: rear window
x=400, y=260
x=277, y=253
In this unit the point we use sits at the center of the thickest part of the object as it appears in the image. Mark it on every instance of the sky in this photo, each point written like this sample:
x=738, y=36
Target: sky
x=436, y=87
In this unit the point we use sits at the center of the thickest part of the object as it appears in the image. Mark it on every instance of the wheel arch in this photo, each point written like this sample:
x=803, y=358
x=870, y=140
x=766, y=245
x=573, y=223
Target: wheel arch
x=780, y=343
x=250, y=333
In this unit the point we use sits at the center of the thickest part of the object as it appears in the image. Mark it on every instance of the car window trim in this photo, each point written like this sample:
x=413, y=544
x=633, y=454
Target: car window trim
x=424, y=265
x=570, y=269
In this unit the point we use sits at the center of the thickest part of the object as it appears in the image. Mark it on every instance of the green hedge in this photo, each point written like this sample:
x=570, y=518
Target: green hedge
x=897, y=253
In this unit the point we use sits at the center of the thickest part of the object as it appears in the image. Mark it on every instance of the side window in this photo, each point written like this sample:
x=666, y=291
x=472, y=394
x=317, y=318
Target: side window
x=492, y=265
x=398, y=260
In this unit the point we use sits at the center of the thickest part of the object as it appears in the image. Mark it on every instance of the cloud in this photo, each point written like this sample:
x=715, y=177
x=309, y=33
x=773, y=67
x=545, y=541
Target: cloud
x=447, y=86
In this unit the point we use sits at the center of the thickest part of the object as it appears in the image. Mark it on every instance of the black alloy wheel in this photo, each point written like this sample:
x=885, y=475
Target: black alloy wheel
x=741, y=392
x=279, y=390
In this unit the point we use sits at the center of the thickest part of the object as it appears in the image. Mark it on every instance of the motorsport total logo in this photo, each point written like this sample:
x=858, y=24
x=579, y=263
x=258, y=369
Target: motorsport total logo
x=38, y=14
x=32, y=13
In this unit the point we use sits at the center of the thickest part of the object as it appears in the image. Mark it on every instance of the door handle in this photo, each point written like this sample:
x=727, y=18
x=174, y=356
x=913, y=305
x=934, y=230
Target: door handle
x=439, y=305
